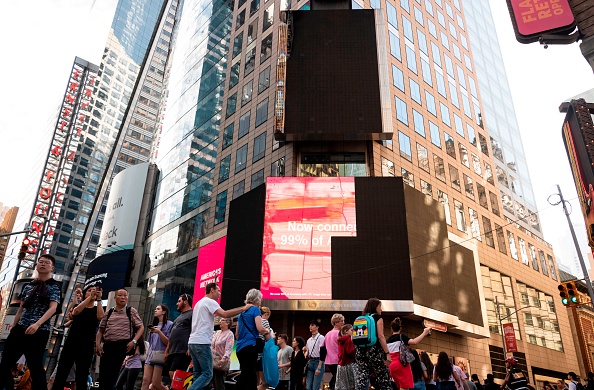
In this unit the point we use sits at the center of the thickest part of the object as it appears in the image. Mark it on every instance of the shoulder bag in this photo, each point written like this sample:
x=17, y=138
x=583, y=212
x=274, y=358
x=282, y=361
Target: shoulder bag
x=406, y=356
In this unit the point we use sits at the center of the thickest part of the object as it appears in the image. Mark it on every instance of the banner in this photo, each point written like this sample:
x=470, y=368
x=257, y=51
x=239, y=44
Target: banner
x=510, y=338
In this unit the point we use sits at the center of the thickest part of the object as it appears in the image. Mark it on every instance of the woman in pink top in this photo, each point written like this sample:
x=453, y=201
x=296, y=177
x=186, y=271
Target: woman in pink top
x=222, y=347
x=331, y=344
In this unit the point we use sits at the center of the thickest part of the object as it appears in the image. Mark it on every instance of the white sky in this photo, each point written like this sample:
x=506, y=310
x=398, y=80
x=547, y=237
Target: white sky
x=44, y=36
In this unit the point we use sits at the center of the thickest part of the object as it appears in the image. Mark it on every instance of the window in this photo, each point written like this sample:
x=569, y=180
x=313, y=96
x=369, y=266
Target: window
x=404, y=144
x=252, y=31
x=430, y=103
x=466, y=106
x=474, y=224
x=404, y=4
x=408, y=178
x=454, y=95
x=489, y=173
x=231, y=105
x=445, y=114
x=463, y=154
x=259, y=147
x=472, y=86
x=401, y=113
x=411, y=59
x=423, y=157
x=494, y=203
x=441, y=19
x=458, y=125
x=439, y=167
x=419, y=123
x=419, y=16
x=415, y=91
x=221, y=207
x=454, y=177
x=244, y=125
x=552, y=267
x=375, y=4
x=257, y=178
x=250, y=60
x=266, y=49
x=395, y=46
x=471, y=134
x=246, y=93
x=277, y=168
x=392, y=18
x=238, y=189
x=387, y=167
x=426, y=188
x=422, y=42
x=460, y=218
x=268, y=17
x=446, y=43
x=436, y=54
x=483, y=143
x=241, y=158
x=468, y=186
x=228, y=136
x=254, y=6
x=543, y=263
x=476, y=164
x=237, y=44
x=456, y=49
x=398, y=78
x=264, y=80
x=429, y=7
x=434, y=131
x=512, y=245
x=444, y=200
x=224, y=169
x=523, y=251
x=234, y=74
x=432, y=28
x=261, y=112
x=501, y=244
x=488, y=232
x=482, y=196
x=441, y=89
x=450, y=145
x=426, y=69
x=533, y=257
x=240, y=20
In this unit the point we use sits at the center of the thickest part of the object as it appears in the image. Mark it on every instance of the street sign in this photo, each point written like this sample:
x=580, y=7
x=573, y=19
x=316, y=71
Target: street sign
x=435, y=325
x=510, y=338
x=533, y=18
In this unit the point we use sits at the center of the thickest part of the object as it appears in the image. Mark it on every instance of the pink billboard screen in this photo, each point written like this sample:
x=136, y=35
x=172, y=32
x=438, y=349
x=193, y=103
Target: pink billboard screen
x=302, y=214
x=211, y=261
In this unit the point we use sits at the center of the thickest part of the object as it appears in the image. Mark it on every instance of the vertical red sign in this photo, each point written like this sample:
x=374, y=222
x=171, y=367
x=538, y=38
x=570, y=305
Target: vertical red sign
x=509, y=335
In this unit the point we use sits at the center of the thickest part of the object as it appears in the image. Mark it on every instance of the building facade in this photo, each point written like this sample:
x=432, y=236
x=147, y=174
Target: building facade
x=8, y=220
x=218, y=142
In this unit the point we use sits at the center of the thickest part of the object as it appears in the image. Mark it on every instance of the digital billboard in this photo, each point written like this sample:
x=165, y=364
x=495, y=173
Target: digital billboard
x=211, y=262
x=302, y=214
x=111, y=271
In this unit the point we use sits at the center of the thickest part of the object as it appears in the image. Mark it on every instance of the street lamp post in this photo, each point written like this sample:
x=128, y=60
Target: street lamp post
x=500, y=320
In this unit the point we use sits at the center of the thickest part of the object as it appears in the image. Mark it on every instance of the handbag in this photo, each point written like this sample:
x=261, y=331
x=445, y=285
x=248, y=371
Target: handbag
x=270, y=363
x=216, y=363
x=406, y=356
x=157, y=357
x=181, y=380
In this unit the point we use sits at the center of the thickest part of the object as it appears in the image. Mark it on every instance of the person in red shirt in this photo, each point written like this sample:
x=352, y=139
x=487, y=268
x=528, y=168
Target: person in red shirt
x=345, y=374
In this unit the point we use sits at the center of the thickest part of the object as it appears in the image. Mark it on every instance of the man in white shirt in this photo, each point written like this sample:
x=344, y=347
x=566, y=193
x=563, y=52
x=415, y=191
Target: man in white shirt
x=315, y=365
x=202, y=334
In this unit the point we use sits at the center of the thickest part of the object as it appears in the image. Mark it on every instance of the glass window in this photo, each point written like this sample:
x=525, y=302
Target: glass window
x=395, y=46
x=454, y=95
x=432, y=28
x=474, y=224
x=415, y=91
x=241, y=158
x=244, y=125
x=404, y=144
x=261, y=112
x=445, y=114
x=458, y=125
x=266, y=49
x=238, y=189
x=277, y=168
x=254, y=6
x=268, y=17
x=411, y=59
x=231, y=105
x=426, y=69
x=453, y=32
x=419, y=16
x=391, y=11
x=228, y=135
x=237, y=44
x=512, y=245
x=252, y=31
x=250, y=60
x=234, y=74
x=419, y=123
x=401, y=113
x=257, y=178
x=439, y=167
x=246, y=94
x=466, y=106
x=259, y=147
x=464, y=41
x=240, y=20
x=398, y=77
x=405, y=5
x=471, y=134
x=422, y=42
x=482, y=195
x=450, y=145
x=423, y=157
x=461, y=76
x=523, y=251
x=221, y=207
x=476, y=164
x=441, y=88
x=264, y=80
x=501, y=244
x=483, y=143
x=494, y=203
x=387, y=167
x=449, y=11
x=430, y=103
x=460, y=218
x=456, y=51
x=543, y=263
x=489, y=240
x=463, y=154
x=449, y=65
x=444, y=200
x=429, y=7
x=388, y=144
x=468, y=186
x=454, y=177
x=436, y=54
x=552, y=267
x=434, y=131
x=441, y=19
x=224, y=169
x=533, y=257
x=408, y=178
x=426, y=188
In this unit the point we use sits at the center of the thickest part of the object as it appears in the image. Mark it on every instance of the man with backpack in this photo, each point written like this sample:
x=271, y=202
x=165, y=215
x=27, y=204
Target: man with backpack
x=119, y=331
x=515, y=378
x=574, y=384
x=31, y=327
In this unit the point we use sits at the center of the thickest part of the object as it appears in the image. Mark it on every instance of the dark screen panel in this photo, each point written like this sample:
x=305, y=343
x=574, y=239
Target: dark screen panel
x=243, y=254
x=111, y=271
x=333, y=68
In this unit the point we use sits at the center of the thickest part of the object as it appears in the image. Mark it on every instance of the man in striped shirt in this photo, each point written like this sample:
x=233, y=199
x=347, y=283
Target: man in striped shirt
x=119, y=330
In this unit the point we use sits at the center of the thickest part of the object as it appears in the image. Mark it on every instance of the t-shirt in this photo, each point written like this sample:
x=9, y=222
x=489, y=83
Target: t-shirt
x=313, y=346
x=298, y=363
x=283, y=356
x=39, y=305
x=203, y=321
x=180, y=333
x=84, y=326
x=331, y=344
x=462, y=377
x=394, y=342
x=247, y=330
x=155, y=342
x=450, y=379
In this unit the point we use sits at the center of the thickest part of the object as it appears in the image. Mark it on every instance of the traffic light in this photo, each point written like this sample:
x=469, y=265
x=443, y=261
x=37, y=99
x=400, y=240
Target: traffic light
x=24, y=249
x=564, y=295
x=572, y=292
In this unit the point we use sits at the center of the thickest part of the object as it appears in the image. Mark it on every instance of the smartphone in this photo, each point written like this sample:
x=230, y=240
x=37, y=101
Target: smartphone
x=155, y=321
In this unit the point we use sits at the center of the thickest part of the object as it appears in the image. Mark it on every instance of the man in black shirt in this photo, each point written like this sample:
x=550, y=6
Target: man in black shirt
x=176, y=353
x=515, y=378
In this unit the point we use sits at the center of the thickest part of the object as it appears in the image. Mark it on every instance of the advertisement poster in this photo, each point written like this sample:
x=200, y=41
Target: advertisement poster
x=510, y=338
x=7, y=326
x=302, y=214
x=211, y=260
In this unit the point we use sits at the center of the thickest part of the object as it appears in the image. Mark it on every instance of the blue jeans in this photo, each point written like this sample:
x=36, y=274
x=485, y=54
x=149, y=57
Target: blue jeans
x=313, y=381
x=202, y=360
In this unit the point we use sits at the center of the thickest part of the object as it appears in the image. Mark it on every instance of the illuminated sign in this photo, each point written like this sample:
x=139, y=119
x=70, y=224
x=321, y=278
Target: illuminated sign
x=72, y=120
x=302, y=214
x=533, y=18
x=211, y=261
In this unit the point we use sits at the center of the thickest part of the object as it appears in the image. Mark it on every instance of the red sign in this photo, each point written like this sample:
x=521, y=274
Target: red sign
x=510, y=338
x=435, y=325
x=532, y=18
x=211, y=261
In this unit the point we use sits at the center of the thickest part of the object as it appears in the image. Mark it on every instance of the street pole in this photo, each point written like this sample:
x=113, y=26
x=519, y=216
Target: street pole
x=577, y=247
x=500, y=321
x=13, y=233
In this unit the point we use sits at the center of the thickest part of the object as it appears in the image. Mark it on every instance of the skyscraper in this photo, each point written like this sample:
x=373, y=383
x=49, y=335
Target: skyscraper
x=237, y=114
